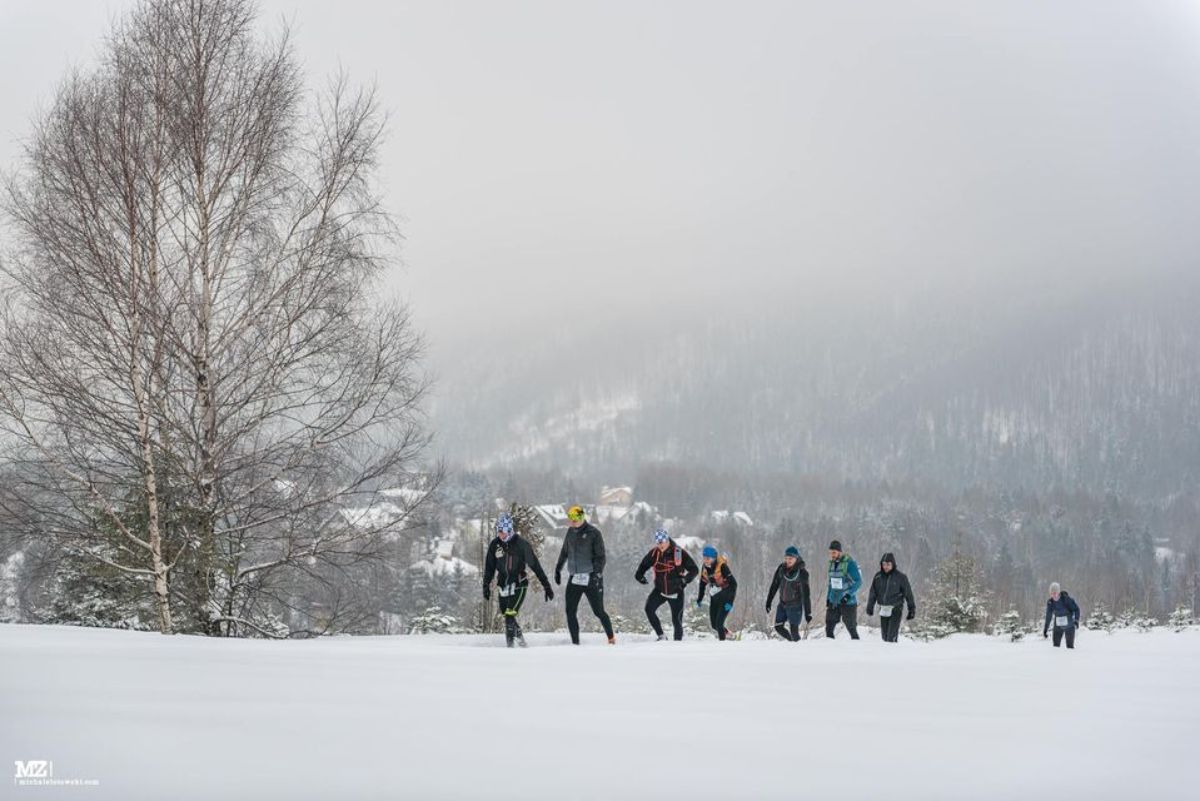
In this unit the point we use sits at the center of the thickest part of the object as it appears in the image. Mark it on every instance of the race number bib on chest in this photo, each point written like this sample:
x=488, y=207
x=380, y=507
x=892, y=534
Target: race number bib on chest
x=713, y=589
x=582, y=579
x=507, y=590
x=837, y=583
x=885, y=611
x=1062, y=621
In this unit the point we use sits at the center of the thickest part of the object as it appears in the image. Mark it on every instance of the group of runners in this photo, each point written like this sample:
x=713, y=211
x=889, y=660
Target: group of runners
x=668, y=569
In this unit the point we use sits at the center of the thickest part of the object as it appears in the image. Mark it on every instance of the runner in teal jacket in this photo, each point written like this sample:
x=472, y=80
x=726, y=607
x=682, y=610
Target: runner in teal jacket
x=841, y=600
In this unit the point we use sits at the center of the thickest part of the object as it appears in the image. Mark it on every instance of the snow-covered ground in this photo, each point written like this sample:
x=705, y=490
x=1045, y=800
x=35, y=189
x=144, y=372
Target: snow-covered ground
x=155, y=717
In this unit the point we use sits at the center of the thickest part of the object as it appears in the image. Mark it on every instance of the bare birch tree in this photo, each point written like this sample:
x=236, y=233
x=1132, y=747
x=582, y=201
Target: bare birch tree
x=193, y=301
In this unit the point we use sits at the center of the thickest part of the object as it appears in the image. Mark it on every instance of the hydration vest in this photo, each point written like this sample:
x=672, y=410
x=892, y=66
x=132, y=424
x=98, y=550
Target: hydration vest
x=714, y=575
x=663, y=566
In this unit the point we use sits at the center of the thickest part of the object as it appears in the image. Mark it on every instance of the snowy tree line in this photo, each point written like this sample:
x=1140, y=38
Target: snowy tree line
x=1098, y=390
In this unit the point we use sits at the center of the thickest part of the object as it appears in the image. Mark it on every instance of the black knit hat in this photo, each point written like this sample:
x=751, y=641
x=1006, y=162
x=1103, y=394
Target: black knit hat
x=835, y=546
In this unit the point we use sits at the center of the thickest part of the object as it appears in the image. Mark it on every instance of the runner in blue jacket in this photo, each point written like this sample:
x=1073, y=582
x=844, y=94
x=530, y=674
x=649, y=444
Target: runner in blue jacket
x=1064, y=612
x=841, y=602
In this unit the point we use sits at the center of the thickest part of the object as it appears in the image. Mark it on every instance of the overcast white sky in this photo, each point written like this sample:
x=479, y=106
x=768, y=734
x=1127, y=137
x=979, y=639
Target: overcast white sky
x=653, y=157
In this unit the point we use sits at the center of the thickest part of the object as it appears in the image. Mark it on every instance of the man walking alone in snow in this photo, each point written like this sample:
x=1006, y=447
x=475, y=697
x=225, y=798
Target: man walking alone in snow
x=1064, y=612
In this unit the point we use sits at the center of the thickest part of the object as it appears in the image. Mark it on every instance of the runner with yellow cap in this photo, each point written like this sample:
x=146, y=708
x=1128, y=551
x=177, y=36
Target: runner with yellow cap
x=583, y=555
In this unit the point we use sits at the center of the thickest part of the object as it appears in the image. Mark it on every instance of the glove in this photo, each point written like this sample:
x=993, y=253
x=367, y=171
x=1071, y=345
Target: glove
x=911, y=614
x=487, y=593
x=808, y=618
x=870, y=611
x=768, y=605
x=728, y=607
x=558, y=577
x=549, y=594
x=1045, y=635
x=641, y=579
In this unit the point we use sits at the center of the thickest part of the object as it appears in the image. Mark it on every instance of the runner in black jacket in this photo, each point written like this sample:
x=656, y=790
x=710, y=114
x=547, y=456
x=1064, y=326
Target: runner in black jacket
x=795, y=600
x=718, y=580
x=674, y=569
x=507, y=557
x=583, y=555
x=890, y=590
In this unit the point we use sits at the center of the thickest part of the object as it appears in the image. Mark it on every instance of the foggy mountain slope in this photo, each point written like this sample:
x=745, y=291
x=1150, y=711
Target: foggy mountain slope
x=1102, y=395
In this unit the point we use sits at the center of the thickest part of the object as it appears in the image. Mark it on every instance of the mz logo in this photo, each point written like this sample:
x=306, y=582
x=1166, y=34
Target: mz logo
x=34, y=769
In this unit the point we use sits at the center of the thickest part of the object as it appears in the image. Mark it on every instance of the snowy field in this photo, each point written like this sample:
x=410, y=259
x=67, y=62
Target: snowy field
x=152, y=717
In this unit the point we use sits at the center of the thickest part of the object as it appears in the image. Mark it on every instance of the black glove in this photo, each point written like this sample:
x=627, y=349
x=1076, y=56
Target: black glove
x=558, y=577
x=487, y=593
x=768, y=605
x=597, y=579
x=912, y=613
x=808, y=618
x=1045, y=634
x=641, y=579
x=870, y=611
x=549, y=594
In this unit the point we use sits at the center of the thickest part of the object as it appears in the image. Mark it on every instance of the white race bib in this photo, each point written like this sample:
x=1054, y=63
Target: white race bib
x=713, y=589
x=885, y=611
x=835, y=582
x=507, y=590
x=1062, y=621
x=672, y=597
x=582, y=579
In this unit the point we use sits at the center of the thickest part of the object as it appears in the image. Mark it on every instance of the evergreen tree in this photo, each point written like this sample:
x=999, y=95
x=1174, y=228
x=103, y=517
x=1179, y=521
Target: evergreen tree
x=1101, y=619
x=1009, y=625
x=1180, y=619
x=958, y=597
x=435, y=621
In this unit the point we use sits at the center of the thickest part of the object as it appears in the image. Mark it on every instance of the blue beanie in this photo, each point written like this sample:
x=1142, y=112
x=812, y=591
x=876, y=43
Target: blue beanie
x=792, y=550
x=709, y=552
x=661, y=535
x=504, y=524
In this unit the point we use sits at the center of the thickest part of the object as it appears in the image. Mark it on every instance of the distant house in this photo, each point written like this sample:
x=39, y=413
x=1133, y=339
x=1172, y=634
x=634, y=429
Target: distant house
x=378, y=516
x=1163, y=552
x=616, y=496
x=552, y=515
x=740, y=518
x=443, y=562
x=392, y=506
x=407, y=497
